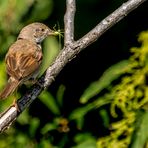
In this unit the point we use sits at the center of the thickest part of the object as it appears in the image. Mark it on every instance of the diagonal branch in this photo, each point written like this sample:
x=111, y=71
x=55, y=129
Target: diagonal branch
x=70, y=50
x=108, y=22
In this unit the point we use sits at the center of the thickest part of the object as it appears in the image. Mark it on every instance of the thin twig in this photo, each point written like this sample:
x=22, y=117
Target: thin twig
x=70, y=50
x=69, y=22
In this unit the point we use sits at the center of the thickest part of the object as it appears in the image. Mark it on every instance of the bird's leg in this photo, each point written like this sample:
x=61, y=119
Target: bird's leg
x=15, y=105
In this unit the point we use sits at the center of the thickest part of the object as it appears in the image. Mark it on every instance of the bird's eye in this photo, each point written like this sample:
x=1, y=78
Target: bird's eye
x=42, y=29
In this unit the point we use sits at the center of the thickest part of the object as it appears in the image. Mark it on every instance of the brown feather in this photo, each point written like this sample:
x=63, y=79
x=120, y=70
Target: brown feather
x=9, y=88
x=23, y=59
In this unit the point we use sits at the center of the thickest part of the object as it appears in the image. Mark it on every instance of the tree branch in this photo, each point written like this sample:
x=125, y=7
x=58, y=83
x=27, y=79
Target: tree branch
x=108, y=22
x=69, y=22
x=70, y=50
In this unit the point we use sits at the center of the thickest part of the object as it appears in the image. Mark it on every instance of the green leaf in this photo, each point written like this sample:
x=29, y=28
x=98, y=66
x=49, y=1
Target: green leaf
x=105, y=117
x=34, y=124
x=60, y=94
x=140, y=136
x=79, y=113
x=49, y=101
x=89, y=143
x=85, y=140
x=45, y=144
x=108, y=76
x=48, y=127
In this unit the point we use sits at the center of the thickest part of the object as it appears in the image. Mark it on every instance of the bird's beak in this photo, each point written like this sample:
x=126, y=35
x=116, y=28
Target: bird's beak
x=52, y=33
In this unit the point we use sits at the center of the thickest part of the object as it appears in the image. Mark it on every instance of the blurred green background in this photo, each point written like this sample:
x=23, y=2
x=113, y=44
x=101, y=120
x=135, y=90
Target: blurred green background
x=100, y=99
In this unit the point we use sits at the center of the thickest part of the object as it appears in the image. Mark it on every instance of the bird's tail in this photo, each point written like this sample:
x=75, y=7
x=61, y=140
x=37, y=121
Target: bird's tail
x=9, y=88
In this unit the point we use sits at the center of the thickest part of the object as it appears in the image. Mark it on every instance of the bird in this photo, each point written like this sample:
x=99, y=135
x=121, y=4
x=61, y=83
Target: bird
x=24, y=56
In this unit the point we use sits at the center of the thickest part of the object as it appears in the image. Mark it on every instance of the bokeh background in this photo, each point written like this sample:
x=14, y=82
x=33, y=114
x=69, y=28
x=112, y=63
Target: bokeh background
x=97, y=98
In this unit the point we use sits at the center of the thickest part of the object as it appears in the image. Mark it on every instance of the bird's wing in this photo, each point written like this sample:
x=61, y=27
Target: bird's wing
x=23, y=59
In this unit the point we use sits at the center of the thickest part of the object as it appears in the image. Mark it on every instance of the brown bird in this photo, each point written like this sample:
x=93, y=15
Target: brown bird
x=24, y=57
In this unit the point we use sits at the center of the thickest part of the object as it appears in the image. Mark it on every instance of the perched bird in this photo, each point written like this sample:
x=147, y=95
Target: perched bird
x=24, y=57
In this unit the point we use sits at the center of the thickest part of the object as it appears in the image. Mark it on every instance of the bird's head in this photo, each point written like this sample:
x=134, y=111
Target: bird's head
x=36, y=32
